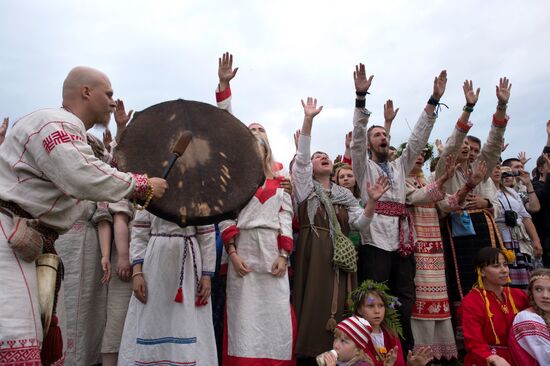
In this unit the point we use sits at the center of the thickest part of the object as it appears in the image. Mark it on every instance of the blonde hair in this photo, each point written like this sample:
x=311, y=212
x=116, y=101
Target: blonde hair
x=267, y=159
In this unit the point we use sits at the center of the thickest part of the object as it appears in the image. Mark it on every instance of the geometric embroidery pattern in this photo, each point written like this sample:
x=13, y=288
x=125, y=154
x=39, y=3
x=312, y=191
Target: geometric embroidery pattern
x=58, y=137
x=20, y=352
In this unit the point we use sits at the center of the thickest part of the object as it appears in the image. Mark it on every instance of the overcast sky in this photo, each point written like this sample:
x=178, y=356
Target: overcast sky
x=155, y=51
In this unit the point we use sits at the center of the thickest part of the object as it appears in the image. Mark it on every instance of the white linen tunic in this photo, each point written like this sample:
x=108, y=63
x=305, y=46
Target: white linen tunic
x=46, y=166
x=259, y=316
x=163, y=331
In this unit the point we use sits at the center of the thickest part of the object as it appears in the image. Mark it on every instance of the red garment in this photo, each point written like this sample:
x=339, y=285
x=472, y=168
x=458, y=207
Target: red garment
x=479, y=338
x=389, y=342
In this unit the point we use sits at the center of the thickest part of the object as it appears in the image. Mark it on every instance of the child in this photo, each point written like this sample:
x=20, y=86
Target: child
x=351, y=343
x=372, y=302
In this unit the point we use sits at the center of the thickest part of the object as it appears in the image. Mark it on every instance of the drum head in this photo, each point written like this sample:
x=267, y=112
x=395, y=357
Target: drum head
x=217, y=175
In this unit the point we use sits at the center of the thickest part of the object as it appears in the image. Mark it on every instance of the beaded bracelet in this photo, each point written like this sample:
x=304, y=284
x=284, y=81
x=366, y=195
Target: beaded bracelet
x=148, y=197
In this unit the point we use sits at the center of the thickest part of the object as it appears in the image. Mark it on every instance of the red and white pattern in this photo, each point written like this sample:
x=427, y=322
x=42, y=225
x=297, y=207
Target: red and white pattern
x=20, y=352
x=358, y=329
x=58, y=137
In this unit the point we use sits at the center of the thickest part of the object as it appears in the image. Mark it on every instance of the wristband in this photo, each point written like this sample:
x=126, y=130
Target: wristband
x=360, y=103
x=468, y=109
x=361, y=94
x=470, y=105
x=137, y=273
x=529, y=192
x=433, y=101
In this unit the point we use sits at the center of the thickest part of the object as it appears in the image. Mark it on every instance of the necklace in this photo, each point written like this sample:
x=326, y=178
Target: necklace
x=503, y=305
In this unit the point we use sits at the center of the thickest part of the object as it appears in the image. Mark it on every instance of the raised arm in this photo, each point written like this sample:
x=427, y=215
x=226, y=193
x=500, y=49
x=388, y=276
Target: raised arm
x=421, y=132
x=389, y=116
x=360, y=119
x=302, y=172
x=492, y=149
x=226, y=73
x=463, y=125
x=4, y=129
x=121, y=118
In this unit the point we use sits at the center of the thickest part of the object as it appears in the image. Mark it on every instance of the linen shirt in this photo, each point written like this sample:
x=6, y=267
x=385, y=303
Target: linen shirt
x=384, y=230
x=46, y=167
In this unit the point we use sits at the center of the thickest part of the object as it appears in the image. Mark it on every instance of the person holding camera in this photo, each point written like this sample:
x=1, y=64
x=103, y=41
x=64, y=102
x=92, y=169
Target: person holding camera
x=517, y=230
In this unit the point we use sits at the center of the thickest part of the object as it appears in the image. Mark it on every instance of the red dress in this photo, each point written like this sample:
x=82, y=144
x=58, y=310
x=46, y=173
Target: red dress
x=479, y=338
x=389, y=343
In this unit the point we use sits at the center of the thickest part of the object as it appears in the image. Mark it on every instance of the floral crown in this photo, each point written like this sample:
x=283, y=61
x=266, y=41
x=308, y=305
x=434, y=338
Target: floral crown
x=391, y=317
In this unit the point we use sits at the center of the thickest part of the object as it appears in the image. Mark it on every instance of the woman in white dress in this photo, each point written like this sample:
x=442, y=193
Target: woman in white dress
x=259, y=321
x=169, y=318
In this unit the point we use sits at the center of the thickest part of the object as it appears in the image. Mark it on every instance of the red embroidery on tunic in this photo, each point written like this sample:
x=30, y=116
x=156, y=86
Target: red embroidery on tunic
x=58, y=137
x=20, y=352
x=263, y=194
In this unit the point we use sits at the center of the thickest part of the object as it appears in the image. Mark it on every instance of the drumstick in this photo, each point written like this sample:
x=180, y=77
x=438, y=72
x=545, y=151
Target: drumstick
x=178, y=151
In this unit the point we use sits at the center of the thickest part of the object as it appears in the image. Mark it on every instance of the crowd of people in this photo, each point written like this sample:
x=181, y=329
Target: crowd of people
x=370, y=259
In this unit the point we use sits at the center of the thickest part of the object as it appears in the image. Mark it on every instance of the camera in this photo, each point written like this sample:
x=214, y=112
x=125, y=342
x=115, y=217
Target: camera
x=510, y=218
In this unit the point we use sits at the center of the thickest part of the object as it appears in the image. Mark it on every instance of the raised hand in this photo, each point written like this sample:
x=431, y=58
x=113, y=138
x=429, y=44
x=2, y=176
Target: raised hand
x=225, y=70
x=376, y=190
x=389, y=112
x=107, y=139
x=421, y=357
x=347, y=141
x=296, y=138
x=121, y=117
x=310, y=107
x=391, y=357
x=440, y=83
x=4, y=129
x=450, y=166
x=362, y=83
x=475, y=177
x=503, y=90
x=471, y=96
x=523, y=158
x=439, y=146
x=524, y=177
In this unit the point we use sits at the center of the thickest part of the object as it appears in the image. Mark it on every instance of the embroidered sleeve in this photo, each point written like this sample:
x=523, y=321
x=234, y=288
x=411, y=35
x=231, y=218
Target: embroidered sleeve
x=533, y=336
x=417, y=140
x=64, y=157
x=453, y=144
x=206, y=236
x=492, y=149
x=223, y=99
x=228, y=230
x=141, y=233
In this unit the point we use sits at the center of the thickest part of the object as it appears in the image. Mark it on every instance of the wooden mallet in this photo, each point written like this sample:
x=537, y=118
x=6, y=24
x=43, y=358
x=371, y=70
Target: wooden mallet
x=178, y=150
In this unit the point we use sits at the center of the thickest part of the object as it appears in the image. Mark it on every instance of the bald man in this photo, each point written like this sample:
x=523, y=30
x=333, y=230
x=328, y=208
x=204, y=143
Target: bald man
x=46, y=169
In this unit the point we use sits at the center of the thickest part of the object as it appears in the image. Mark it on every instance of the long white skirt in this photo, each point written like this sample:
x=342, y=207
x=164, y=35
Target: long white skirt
x=165, y=332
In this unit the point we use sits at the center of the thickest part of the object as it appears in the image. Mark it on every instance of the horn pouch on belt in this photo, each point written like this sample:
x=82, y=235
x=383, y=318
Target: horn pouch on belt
x=25, y=240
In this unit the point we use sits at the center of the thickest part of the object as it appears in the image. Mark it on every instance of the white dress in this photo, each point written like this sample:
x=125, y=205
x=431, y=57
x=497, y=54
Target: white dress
x=259, y=320
x=163, y=331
